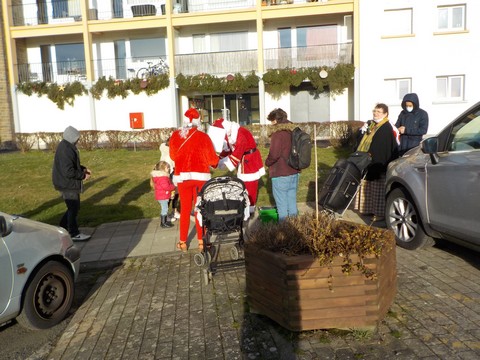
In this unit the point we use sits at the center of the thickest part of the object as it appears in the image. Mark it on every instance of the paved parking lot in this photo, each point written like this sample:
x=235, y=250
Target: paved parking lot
x=158, y=307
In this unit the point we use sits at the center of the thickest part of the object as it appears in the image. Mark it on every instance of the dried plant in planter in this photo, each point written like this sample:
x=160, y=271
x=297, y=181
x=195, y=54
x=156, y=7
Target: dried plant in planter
x=325, y=238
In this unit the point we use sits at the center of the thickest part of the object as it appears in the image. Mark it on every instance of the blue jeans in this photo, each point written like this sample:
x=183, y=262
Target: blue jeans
x=285, y=195
x=164, y=207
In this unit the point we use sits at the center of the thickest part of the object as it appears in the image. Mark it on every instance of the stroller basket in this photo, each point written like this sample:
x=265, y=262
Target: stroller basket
x=223, y=216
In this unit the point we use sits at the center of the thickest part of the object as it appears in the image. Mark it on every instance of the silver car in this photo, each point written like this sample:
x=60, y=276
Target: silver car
x=38, y=267
x=433, y=191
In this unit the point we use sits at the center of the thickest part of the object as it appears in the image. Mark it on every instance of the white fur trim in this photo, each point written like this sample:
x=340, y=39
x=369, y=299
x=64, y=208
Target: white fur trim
x=228, y=163
x=253, y=176
x=184, y=176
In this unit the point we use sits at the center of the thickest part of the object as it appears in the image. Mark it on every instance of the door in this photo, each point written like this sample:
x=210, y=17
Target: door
x=47, y=73
x=42, y=14
x=453, y=184
x=117, y=6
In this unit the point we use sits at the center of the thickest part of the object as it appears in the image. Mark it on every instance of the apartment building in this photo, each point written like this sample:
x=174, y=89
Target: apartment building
x=66, y=41
x=427, y=47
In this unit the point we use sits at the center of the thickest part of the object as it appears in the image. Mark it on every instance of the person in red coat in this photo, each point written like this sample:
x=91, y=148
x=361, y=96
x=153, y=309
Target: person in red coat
x=193, y=154
x=160, y=181
x=240, y=152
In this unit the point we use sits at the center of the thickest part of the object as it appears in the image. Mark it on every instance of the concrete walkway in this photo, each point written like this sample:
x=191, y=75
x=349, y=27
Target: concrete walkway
x=152, y=303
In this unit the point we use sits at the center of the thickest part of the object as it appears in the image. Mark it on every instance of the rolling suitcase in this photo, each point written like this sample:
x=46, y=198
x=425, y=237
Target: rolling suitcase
x=342, y=182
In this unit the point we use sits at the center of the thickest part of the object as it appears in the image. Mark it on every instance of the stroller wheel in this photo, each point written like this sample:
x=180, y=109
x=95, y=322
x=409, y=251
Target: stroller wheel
x=199, y=259
x=234, y=253
x=207, y=276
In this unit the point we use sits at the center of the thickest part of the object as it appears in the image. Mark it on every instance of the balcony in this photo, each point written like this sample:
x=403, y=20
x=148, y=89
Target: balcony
x=32, y=12
x=48, y=12
x=215, y=63
x=309, y=56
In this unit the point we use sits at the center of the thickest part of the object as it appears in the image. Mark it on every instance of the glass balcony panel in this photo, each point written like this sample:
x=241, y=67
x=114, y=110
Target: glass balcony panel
x=46, y=12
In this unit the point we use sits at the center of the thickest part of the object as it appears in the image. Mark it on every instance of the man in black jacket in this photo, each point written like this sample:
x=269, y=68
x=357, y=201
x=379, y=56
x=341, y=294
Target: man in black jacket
x=67, y=176
x=412, y=123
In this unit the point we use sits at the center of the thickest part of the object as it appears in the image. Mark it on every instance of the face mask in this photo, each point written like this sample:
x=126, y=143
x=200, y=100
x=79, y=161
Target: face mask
x=409, y=108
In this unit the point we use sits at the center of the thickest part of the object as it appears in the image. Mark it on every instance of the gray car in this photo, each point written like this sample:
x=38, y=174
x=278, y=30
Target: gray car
x=433, y=191
x=38, y=267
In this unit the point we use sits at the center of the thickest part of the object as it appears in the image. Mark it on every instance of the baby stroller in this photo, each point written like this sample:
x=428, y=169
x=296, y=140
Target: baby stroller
x=222, y=205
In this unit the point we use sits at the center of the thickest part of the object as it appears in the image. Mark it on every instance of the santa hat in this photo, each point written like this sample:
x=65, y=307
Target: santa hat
x=218, y=123
x=191, y=114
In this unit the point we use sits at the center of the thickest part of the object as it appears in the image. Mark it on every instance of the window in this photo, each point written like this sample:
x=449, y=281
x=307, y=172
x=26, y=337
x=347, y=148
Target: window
x=199, y=44
x=316, y=35
x=466, y=134
x=70, y=59
x=450, y=87
x=348, y=24
x=395, y=89
x=231, y=41
x=143, y=49
x=285, y=37
x=397, y=22
x=451, y=18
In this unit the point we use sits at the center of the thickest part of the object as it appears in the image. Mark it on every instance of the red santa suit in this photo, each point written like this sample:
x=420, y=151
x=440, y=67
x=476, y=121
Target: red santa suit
x=240, y=152
x=193, y=154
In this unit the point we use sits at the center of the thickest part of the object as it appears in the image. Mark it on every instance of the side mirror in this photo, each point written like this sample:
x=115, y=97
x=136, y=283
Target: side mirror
x=430, y=146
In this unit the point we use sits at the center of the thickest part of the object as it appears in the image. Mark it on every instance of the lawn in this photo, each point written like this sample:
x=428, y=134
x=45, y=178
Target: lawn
x=119, y=187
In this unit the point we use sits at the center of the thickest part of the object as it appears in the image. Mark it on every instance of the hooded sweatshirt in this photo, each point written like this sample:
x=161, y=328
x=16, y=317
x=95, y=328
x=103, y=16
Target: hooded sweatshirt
x=67, y=173
x=415, y=123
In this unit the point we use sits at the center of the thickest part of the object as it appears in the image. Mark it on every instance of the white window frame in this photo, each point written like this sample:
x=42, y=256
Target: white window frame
x=448, y=93
x=398, y=22
x=448, y=11
x=393, y=89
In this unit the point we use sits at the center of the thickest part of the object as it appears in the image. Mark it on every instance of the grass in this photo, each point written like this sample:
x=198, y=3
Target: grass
x=119, y=188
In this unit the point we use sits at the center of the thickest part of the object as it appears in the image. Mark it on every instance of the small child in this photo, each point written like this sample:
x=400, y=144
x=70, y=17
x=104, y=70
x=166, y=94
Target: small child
x=165, y=156
x=160, y=181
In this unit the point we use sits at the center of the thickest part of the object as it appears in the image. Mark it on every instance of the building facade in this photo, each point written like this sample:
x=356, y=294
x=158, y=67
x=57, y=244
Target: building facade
x=67, y=41
x=426, y=47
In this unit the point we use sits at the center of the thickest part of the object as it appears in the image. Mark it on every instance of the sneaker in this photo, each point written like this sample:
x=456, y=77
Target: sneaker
x=172, y=219
x=176, y=215
x=81, y=237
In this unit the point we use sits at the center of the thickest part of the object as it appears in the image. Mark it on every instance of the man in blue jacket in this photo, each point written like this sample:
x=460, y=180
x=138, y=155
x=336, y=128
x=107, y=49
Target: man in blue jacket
x=67, y=177
x=412, y=123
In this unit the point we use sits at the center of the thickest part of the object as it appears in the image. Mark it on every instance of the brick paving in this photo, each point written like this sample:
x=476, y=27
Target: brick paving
x=158, y=306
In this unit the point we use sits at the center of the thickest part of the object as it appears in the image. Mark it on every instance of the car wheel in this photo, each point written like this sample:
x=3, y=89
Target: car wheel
x=403, y=218
x=48, y=297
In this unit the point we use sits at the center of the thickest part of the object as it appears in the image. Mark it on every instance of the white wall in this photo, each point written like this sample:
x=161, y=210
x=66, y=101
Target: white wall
x=42, y=115
x=422, y=56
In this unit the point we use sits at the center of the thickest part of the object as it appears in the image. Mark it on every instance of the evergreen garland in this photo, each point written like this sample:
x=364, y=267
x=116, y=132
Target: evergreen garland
x=206, y=83
x=59, y=94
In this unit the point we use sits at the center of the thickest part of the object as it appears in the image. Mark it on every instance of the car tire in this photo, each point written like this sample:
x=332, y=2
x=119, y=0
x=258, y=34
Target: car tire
x=48, y=297
x=401, y=215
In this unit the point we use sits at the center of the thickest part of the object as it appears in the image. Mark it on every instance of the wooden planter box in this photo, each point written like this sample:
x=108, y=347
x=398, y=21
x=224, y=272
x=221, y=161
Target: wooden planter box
x=295, y=291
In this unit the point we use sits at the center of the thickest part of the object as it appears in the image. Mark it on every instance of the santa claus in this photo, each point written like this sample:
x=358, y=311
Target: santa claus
x=193, y=154
x=240, y=152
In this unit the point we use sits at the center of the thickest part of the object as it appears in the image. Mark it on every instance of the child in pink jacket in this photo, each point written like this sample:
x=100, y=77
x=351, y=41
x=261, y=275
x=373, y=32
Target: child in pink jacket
x=163, y=186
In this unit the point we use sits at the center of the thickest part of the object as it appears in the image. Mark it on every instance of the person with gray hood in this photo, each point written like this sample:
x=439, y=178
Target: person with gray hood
x=67, y=177
x=412, y=123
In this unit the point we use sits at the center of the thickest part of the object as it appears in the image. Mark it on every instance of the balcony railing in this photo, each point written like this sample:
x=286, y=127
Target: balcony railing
x=33, y=12
x=309, y=56
x=217, y=63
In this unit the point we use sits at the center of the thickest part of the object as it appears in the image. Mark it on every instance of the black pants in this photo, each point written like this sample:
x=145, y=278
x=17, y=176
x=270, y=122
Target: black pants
x=69, y=219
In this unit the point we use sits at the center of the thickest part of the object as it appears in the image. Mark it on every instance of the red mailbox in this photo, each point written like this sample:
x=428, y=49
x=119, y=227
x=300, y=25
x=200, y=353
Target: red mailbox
x=136, y=120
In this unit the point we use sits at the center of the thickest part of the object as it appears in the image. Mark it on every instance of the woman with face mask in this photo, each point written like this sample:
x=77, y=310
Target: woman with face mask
x=412, y=123
x=379, y=141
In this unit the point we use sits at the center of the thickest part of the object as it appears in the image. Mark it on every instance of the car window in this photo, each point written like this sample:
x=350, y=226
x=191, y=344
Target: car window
x=465, y=133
